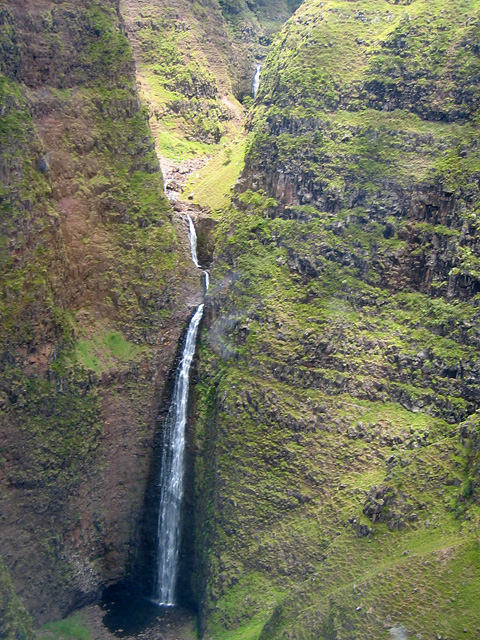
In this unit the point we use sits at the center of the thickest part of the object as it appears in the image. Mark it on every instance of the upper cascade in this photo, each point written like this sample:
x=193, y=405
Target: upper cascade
x=193, y=241
x=256, y=80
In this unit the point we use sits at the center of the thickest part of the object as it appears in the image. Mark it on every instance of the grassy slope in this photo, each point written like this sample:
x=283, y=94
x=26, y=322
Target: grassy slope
x=216, y=179
x=193, y=62
x=183, y=55
x=328, y=368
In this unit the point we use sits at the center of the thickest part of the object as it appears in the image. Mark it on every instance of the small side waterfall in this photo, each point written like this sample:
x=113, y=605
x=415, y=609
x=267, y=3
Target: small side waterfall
x=173, y=453
x=256, y=80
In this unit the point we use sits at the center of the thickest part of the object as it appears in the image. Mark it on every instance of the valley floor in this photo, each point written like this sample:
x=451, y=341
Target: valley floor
x=87, y=624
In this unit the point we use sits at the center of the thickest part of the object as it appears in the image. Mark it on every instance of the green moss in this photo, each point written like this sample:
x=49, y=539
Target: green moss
x=109, y=45
x=71, y=628
x=59, y=429
x=16, y=623
x=104, y=351
x=89, y=270
x=22, y=192
x=282, y=451
x=331, y=370
x=187, y=117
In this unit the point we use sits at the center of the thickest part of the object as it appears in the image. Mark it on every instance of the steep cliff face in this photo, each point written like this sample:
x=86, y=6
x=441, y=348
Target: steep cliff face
x=14, y=619
x=383, y=130
x=338, y=379
x=95, y=287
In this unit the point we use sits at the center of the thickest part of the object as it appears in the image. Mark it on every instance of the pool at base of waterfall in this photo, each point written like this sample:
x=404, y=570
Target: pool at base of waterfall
x=127, y=614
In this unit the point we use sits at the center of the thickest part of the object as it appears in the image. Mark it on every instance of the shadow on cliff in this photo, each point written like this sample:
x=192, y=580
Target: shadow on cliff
x=128, y=604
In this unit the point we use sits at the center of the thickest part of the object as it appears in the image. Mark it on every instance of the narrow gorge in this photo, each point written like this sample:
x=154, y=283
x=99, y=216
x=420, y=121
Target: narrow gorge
x=239, y=319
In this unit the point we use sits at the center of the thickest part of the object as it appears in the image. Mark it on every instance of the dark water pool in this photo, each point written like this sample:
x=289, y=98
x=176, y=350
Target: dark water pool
x=128, y=613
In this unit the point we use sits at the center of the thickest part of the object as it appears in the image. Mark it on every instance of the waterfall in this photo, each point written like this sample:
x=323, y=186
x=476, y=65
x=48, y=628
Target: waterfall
x=172, y=473
x=256, y=80
x=173, y=453
x=193, y=241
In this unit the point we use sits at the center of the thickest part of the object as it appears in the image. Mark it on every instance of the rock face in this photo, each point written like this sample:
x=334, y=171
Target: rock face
x=379, y=142
x=95, y=287
x=339, y=365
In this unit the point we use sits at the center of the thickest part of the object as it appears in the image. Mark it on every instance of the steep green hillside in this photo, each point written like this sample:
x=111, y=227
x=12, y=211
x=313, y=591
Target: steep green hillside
x=194, y=62
x=15, y=623
x=339, y=376
x=93, y=293
x=337, y=392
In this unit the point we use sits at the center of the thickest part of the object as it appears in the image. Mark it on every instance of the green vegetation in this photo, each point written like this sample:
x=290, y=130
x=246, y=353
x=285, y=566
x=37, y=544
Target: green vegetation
x=90, y=273
x=286, y=436
x=356, y=89
x=128, y=244
x=337, y=387
x=108, y=46
x=104, y=351
x=195, y=62
x=71, y=628
x=188, y=114
x=265, y=16
x=23, y=189
x=213, y=187
x=337, y=430
x=15, y=623
x=58, y=431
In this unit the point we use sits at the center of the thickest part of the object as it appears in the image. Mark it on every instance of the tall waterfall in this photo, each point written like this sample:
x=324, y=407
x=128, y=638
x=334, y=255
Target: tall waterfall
x=256, y=80
x=173, y=453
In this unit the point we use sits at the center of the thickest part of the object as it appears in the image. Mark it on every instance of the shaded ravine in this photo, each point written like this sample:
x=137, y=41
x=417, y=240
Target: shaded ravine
x=172, y=472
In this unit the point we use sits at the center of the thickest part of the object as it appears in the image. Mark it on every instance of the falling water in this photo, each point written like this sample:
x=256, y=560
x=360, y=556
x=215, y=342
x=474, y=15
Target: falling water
x=193, y=241
x=172, y=473
x=256, y=80
x=173, y=453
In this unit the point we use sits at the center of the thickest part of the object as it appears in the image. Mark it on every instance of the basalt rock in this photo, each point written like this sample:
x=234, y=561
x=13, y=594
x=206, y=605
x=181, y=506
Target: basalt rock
x=386, y=505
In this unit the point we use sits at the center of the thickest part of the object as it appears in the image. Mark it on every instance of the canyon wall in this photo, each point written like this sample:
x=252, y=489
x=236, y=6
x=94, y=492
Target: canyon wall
x=339, y=378
x=95, y=289
x=195, y=65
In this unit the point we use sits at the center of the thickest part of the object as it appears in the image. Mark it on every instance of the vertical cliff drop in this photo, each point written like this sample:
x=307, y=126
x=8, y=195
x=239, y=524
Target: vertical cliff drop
x=173, y=453
x=172, y=474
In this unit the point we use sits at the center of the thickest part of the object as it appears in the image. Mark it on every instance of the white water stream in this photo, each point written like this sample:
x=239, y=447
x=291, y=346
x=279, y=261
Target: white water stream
x=173, y=453
x=193, y=240
x=256, y=80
